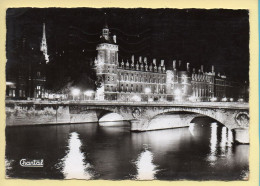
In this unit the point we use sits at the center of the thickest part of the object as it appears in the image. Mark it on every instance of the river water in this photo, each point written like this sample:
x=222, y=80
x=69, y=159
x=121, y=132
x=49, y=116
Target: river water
x=203, y=151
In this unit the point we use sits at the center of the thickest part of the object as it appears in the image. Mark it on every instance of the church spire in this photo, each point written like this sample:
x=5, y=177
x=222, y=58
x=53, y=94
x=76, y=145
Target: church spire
x=44, y=45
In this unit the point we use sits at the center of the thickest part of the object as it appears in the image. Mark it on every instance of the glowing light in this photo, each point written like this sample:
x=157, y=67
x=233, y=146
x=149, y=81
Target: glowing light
x=213, y=99
x=75, y=92
x=73, y=163
x=145, y=167
x=223, y=140
x=191, y=128
x=88, y=93
x=136, y=98
x=213, y=144
x=192, y=98
x=44, y=45
x=224, y=99
x=9, y=83
x=231, y=99
x=177, y=92
x=111, y=117
x=241, y=100
x=147, y=90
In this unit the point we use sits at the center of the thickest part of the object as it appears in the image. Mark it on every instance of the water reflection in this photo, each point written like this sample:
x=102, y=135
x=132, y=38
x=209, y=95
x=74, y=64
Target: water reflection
x=73, y=163
x=204, y=151
x=213, y=144
x=230, y=137
x=145, y=168
x=223, y=143
x=8, y=166
x=191, y=128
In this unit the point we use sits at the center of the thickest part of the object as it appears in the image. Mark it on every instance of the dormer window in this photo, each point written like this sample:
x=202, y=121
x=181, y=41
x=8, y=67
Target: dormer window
x=105, y=31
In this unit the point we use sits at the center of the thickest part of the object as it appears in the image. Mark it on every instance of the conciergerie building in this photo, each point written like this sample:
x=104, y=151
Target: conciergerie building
x=142, y=80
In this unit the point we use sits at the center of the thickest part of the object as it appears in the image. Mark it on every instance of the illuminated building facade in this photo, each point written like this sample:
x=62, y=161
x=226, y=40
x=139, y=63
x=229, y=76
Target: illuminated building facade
x=140, y=80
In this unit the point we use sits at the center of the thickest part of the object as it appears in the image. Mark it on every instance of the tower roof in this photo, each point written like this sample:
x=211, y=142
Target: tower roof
x=105, y=37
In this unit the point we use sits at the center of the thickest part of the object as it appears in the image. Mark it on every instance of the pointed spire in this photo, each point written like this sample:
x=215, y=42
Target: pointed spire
x=105, y=25
x=122, y=64
x=151, y=67
x=127, y=64
x=137, y=66
x=44, y=44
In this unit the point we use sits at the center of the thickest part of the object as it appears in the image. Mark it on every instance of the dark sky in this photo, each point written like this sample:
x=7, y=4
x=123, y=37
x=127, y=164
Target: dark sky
x=201, y=37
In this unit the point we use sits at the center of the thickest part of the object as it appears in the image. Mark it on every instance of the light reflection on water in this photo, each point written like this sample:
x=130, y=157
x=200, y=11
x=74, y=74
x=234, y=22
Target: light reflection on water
x=204, y=151
x=145, y=168
x=213, y=144
x=73, y=165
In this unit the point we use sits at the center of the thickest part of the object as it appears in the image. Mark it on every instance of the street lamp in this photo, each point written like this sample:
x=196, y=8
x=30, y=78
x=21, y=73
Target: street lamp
x=224, y=99
x=136, y=98
x=75, y=92
x=88, y=93
x=177, y=93
x=147, y=90
x=192, y=98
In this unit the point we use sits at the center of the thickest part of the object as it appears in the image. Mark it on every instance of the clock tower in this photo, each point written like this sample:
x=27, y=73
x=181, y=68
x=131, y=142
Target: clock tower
x=106, y=66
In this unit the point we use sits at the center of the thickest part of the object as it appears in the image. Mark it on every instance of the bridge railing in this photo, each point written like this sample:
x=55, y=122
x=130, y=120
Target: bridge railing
x=159, y=103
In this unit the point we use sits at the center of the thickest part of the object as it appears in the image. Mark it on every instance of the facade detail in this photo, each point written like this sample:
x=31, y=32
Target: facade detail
x=139, y=80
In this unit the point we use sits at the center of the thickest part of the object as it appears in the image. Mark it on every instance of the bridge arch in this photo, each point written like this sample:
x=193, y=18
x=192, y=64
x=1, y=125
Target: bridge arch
x=227, y=117
x=173, y=119
x=194, y=113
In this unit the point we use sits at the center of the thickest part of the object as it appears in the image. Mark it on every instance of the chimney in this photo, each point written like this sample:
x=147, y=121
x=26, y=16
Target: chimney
x=188, y=67
x=154, y=62
x=140, y=59
x=201, y=68
x=145, y=60
x=162, y=62
x=212, y=68
x=114, y=38
x=174, y=64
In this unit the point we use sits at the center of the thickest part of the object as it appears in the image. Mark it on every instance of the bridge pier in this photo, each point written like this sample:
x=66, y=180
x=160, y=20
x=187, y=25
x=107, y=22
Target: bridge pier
x=241, y=135
x=136, y=126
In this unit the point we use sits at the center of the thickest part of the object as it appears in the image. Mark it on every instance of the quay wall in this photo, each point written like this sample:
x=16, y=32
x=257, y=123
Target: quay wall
x=18, y=115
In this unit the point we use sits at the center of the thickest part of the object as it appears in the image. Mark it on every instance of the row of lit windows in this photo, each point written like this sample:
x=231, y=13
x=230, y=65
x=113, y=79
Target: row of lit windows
x=110, y=78
x=142, y=78
x=198, y=77
x=108, y=56
x=202, y=92
x=111, y=69
x=220, y=82
x=11, y=93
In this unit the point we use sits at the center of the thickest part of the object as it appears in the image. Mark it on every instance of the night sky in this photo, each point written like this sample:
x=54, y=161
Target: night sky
x=201, y=37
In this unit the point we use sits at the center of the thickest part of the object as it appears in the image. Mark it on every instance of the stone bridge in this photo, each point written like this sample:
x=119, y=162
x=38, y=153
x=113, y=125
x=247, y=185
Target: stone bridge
x=235, y=116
